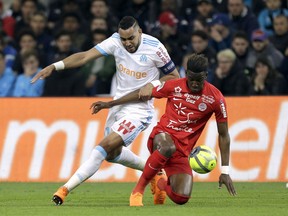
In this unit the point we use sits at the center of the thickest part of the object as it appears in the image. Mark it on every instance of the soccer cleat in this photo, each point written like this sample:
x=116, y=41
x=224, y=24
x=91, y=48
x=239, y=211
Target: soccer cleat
x=136, y=199
x=159, y=193
x=59, y=196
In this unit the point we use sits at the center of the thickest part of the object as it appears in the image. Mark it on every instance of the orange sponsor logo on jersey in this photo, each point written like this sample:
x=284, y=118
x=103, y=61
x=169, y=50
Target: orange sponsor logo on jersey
x=136, y=74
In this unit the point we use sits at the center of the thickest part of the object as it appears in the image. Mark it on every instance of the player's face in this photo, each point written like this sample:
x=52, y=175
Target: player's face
x=130, y=38
x=195, y=81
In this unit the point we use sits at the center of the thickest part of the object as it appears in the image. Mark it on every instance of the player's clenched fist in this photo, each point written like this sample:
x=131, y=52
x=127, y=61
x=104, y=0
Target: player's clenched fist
x=43, y=73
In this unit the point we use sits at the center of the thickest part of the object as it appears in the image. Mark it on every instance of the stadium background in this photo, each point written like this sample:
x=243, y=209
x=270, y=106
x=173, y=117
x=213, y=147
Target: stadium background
x=46, y=139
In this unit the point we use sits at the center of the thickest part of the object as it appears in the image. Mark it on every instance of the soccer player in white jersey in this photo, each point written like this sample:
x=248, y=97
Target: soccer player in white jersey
x=139, y=60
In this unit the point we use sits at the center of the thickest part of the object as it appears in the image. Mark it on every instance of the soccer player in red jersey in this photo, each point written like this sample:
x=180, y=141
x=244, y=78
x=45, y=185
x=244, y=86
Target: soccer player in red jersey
x=191, y=101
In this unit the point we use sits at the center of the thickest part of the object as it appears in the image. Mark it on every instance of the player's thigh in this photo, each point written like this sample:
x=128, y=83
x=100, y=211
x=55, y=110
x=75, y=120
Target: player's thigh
x=164, y=144
x=181, y=183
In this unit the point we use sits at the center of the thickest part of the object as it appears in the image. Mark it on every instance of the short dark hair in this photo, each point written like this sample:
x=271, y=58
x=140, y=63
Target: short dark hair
x=127, y=22
x=201, y=34
x=62, y=33
x=26, y=31
x=197, y=63
x=240, y=34
x=29, y=53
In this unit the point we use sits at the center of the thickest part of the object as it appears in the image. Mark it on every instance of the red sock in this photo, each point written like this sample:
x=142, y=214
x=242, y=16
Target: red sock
x=176, y=198
x=155, y=162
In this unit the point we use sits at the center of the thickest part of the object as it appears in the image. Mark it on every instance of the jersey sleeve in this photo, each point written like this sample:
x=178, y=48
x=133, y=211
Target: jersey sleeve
x=108, y=46
x=161, y=91
x=163, y=60
x=220, y=109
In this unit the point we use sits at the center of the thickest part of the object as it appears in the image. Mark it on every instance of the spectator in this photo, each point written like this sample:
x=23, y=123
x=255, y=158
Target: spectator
x=7, y=78
x=220, y=32
x=28, y=7
x=38, y=23
x=266, y=16
x=205, y=9
x=262, y=47
x=96, y=24
x=27, y=42
x=9, y=51
x=174, y=43
x=284, y=65
x=199, y=45
x=72, y=23
x=99, y=8
x=266, y=80
x=23, y=87
x=200, y=24
x=7, y=22
x=242, y=18
x=100, y=71
x=58, y=8
x=69, y=82
x=280, y=38
x=140, y=10
x=15, y=9
x=240, y=46
x=229, y=77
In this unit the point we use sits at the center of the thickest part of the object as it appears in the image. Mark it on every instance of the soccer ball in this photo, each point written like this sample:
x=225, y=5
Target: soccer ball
x=202, y=159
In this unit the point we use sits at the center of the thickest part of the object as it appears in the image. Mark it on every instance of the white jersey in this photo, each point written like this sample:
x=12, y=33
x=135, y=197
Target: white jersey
x=135, y=70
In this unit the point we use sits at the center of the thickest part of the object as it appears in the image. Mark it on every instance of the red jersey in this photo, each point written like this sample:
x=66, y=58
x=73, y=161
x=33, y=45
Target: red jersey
x=187, y=113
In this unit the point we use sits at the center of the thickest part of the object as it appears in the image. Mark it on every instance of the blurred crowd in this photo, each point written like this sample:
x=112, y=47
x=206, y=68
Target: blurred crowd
x=245, y=41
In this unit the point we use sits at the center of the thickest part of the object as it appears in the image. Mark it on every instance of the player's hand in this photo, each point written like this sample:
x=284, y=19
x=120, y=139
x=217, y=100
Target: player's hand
x=43, y=73
x=99, y=105
x=227, y=181
x=146, y=92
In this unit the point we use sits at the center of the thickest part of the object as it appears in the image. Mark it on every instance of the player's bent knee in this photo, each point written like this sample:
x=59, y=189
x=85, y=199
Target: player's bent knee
x=178, y=198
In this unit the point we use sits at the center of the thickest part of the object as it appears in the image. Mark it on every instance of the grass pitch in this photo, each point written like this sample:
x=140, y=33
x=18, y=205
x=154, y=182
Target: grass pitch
x=113, y=199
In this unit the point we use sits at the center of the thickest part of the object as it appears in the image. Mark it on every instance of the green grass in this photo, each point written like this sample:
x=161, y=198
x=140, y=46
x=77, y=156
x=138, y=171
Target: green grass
x=107, y=199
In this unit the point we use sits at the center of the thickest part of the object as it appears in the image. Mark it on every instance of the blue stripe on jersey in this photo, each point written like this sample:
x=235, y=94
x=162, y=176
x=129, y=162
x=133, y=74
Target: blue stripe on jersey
x=115, y=36
x=155, y=42
x=150, y=44
x=168, y=68
x=101, y=50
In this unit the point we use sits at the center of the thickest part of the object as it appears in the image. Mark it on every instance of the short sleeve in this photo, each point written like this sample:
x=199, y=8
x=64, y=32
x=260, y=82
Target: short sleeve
x=221, y=109
x=161, y=91
x=108, y=46
x=163, y=60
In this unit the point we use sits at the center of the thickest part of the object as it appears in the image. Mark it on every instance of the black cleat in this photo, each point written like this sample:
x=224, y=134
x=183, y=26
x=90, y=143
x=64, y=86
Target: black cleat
x=57, y=200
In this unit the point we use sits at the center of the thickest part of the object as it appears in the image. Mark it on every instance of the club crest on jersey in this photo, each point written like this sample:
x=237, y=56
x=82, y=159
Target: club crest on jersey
x=178, y=90
x=143, y=58
x=202, y=107
x=126, y=127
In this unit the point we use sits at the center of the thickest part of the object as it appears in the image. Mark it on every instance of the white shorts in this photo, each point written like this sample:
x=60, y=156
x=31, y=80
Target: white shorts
x=128, y=122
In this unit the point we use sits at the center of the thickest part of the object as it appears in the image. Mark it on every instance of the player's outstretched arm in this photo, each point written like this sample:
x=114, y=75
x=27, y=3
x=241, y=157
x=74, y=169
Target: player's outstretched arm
x=224, y=145
x=131, y=97
x=72, y=61
x=146, y=91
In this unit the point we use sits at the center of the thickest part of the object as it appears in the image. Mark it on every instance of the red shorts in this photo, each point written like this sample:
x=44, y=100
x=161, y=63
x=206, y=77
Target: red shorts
x=178, y=163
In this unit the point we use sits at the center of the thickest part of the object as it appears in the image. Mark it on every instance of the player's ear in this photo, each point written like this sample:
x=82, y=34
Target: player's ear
x=140, y=30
